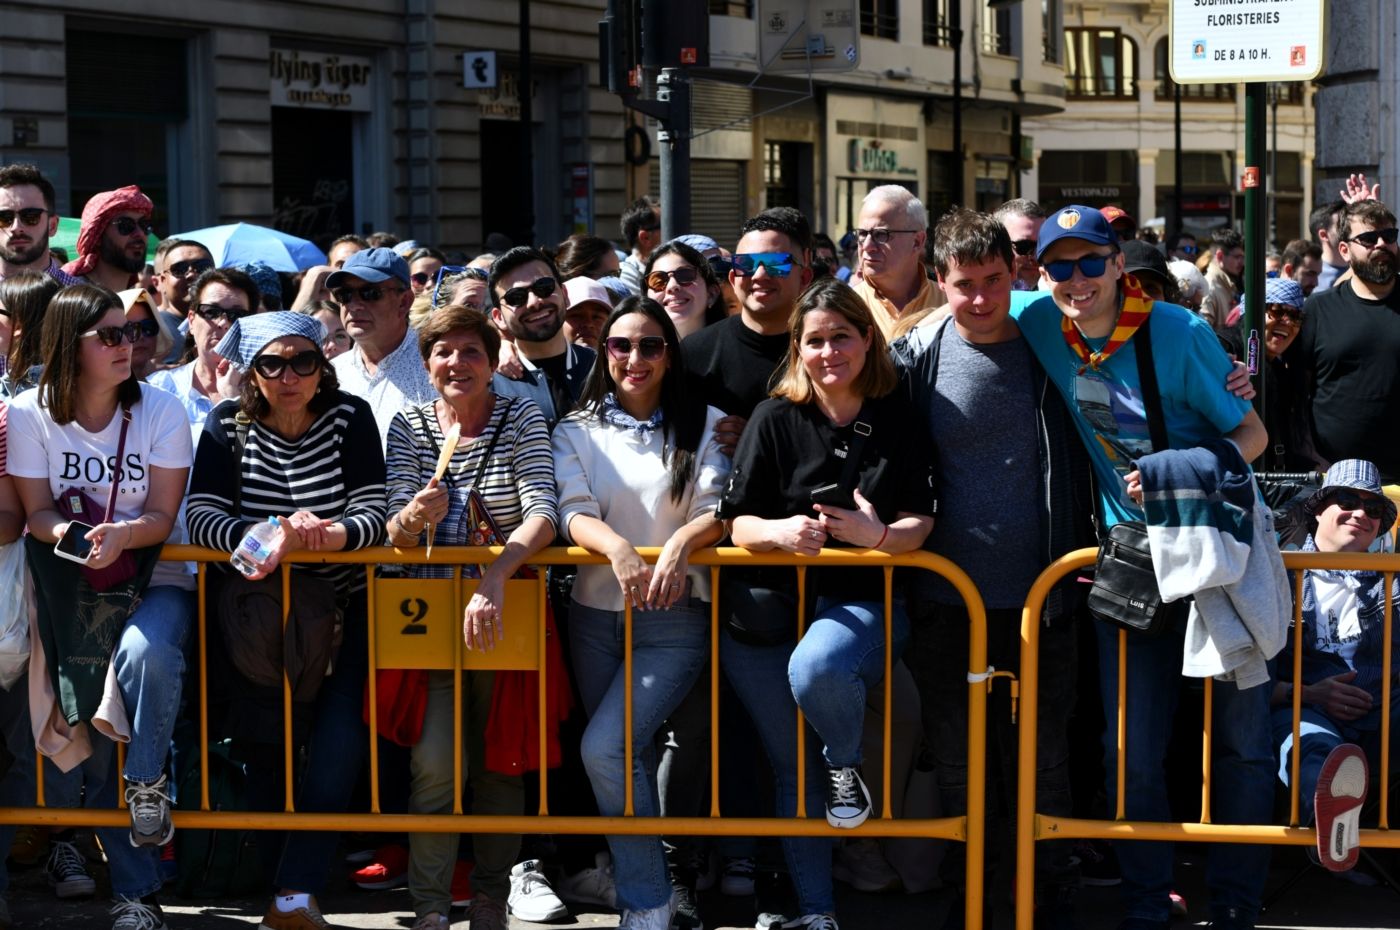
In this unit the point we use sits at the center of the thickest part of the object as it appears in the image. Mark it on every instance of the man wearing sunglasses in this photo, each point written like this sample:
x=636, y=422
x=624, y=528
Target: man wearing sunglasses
x=1348, y=352
x=528, y=304
x=112, y=239
x=27, y=220
x=1022, y=219
x=1086, y=337
x=374, y=293
x=641, y=227
x=1182, y=246
x=178, y=263
x=891, y=231
x=1343, y=673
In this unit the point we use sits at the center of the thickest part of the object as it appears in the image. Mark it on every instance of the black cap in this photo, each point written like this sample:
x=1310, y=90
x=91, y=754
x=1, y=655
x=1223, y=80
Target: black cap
x=1141, y=258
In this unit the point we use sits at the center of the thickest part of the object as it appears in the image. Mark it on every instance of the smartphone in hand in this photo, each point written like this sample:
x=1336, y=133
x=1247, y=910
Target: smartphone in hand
x=74, y=545
x=833, y=495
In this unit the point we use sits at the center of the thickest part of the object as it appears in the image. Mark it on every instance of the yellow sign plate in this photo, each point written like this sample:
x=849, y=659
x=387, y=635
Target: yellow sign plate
x=418, y=624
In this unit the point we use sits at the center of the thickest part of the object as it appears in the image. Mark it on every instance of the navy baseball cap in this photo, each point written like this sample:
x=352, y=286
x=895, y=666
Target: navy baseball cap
x=372, y=265
x=1074, y=222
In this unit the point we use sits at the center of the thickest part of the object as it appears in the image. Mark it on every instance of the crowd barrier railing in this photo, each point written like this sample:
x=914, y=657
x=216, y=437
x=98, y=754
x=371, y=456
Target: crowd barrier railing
x=1032, y=826
x=417, y=623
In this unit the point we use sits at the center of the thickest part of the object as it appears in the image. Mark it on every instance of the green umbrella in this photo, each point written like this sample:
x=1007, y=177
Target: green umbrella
x=67, y=238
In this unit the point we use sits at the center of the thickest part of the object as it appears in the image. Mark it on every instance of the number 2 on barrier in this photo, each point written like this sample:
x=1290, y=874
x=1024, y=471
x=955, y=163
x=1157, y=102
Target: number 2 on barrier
x=416, y=625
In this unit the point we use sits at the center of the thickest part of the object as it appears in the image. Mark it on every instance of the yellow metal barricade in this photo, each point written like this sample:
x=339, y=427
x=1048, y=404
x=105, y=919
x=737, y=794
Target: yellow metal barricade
x=417, y=623
x=1032, y=826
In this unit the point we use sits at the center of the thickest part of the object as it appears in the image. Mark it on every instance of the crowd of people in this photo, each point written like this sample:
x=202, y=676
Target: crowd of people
x=999, y=389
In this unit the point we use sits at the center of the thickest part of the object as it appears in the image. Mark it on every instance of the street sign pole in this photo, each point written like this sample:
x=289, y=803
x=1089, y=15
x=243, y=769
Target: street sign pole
x=1255, y=236
x=673, y=89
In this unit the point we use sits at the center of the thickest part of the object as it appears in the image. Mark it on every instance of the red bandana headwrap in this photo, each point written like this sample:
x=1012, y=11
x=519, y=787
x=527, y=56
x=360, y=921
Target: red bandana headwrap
x=97, y=216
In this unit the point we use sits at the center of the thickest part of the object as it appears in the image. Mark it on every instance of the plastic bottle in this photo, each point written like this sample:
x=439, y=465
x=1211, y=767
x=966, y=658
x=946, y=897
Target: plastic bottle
x=255, y=548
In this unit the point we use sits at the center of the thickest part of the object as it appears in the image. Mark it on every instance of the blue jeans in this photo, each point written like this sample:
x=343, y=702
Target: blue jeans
x=1242, y=787
x=150, y=665
x=841, y=655
x=758, y=676
x=1319, y=735
x=669, y=647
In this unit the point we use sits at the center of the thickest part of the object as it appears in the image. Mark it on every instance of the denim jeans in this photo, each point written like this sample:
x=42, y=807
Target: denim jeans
x=1242, y=784
x=758, y=675
x=840, y=656
x=1319, y=735
x=669, y=647
x=150, y=666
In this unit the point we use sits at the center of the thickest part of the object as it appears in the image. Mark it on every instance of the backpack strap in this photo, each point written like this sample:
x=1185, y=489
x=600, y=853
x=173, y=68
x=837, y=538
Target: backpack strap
x=241, y=425
x=1147, y=378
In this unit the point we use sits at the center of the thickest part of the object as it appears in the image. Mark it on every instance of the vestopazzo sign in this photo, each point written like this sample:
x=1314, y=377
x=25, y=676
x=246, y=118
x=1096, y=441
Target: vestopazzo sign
x=1221, y=41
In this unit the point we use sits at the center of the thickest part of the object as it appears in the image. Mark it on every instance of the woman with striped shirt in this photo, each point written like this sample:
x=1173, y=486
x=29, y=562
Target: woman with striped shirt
x=504, y=455
x=311, y=458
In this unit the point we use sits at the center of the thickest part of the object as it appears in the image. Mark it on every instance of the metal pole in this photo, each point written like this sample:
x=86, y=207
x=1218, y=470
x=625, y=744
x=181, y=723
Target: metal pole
x=1275, y=91
x=1176, y=182
x=525, y=90
x=955, y=26
x=673, y=89
x=1255, y=244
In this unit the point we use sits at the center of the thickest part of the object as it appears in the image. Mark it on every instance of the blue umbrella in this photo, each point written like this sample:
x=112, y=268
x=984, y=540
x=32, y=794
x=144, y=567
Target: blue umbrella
x=240, y=243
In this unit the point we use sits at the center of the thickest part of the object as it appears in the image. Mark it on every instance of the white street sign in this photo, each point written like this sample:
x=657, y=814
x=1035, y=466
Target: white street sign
x=1222, y=41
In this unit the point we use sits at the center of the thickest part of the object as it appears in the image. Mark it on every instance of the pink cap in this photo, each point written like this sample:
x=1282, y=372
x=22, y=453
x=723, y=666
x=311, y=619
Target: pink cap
x=582, y=290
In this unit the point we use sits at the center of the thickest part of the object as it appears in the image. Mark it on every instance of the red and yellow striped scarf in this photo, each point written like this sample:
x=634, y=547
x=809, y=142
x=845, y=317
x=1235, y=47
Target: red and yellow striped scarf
x=1136, y=306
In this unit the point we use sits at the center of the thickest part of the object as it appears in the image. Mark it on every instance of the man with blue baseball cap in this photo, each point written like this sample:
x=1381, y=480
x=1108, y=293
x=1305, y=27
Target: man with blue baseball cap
x=1087, y=335
x=374, y=292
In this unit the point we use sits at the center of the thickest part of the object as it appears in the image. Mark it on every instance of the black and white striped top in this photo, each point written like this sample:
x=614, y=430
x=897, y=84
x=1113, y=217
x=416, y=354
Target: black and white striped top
x=335, y=470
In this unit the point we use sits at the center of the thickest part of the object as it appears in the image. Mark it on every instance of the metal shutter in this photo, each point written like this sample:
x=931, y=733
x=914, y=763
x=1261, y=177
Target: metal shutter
x=717, y=201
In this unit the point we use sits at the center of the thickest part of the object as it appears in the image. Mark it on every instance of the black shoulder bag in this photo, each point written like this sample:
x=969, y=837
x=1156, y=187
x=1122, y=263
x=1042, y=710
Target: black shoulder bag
x=1125, y=591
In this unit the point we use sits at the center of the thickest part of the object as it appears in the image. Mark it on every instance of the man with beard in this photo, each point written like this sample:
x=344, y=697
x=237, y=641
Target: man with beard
x=181, y=261
x=1224, y=276
x=112, y=239
x=528, y=303
x=1349, y=347
x=27, y=220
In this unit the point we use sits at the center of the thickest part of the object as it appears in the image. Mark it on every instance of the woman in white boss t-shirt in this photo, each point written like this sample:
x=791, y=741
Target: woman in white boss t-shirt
x=63, y=436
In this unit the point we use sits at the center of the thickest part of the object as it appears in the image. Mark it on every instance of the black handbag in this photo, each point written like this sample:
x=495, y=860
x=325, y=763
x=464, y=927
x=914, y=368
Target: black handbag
x=1125, y=592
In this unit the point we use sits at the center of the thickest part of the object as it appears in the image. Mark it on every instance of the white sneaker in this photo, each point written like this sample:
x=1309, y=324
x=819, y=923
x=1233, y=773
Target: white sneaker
x=531, y=897
x=592, y=885
x=861, y=864
x=653, y=918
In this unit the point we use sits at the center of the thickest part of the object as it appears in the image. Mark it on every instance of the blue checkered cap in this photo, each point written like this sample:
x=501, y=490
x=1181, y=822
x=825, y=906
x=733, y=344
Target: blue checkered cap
x=1356, y=475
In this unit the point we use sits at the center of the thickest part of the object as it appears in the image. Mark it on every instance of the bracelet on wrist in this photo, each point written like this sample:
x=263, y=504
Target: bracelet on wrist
x=883, y=536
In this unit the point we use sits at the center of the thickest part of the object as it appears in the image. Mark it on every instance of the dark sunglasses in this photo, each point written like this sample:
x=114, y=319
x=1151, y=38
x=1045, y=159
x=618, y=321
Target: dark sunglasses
x=304, y=364
x=125, y=226
x=1374, y=507
x=778, y=264
x=214, y=313
x=1091, y=266
x=442, y=272
x=1024, y=246
x=369, y=293
x=28, y=216
x=516, y=296
x=1281, y=312
x=1373, y=237
x=685, y=276
x=112, y=336
x=197, y=265
x=149, y=328
x=650, y=347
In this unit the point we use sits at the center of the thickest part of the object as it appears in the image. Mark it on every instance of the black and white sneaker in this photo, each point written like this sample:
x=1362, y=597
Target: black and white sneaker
x=67, y=871
x=150, y=813
x=847, y=798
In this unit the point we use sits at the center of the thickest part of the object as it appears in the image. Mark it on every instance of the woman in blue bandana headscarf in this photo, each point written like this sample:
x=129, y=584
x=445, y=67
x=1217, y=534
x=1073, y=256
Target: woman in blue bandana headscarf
x=637, y=465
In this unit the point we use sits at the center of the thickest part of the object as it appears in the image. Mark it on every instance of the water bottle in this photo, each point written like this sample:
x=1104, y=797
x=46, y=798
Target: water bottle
x=255, y=548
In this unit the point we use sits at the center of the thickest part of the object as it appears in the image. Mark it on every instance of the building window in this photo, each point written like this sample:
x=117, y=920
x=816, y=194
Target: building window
x=730, y=8
x=996, y=30
x=938, y=28
x=1050, y=30
x=879, y=18
x=1165, y=84
x=1100, y=63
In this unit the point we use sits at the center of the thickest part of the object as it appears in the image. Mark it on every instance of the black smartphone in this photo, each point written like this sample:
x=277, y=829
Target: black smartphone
x=74, y=545
x=833, y=495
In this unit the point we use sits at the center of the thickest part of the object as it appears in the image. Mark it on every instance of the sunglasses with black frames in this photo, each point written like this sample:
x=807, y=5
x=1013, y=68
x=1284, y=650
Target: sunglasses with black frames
x=1373, y=507
x=112, y=336
x=542, y=288
x=304, y=364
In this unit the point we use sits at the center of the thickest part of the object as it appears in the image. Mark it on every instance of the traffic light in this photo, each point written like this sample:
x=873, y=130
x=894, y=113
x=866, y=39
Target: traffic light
x=675, y=34
x=619, y=46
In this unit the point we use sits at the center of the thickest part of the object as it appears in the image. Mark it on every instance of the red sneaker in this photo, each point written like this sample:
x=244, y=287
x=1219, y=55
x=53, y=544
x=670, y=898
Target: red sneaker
x=388, y=869
x=462, y=883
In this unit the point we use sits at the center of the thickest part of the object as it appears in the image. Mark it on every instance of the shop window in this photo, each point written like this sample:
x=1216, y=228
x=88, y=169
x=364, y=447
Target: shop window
x=1165, y=84
x=996, y=30
x=938, y=29
x=879, y=18
x=1100, y=63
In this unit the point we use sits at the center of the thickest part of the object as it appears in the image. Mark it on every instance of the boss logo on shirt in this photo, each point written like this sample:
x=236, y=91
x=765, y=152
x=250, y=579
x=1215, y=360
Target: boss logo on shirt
x=96, y=470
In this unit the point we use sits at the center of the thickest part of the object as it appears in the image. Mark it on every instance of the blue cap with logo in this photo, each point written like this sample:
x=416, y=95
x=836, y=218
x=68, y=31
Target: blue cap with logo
x=1075, y=222
x=372, y=265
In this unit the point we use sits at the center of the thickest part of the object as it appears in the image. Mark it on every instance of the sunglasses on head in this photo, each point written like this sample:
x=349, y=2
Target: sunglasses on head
x=650, y=347
x=1024, y=247
x=542, y=288
x=125, y=226
x=1374, y=507
x=778, y=264
x=369, y=293
x=112, y=336
x=28, y=216
x=442, y=272
x=215, y=313
x=304, y=364
x=1284, y=312
x=197, y=265
x=1091, y=266
x=1373, y=237
x=685, y=276
x=881, y=235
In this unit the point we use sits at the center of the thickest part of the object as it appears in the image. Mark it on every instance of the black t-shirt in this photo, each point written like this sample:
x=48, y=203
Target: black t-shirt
x=788, y=449
x=732, y=366
x=1349, y=349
